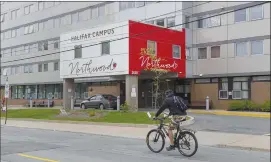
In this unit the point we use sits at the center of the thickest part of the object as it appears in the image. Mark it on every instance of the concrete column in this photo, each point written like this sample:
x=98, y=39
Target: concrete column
x=68, y=92
x=131, y=91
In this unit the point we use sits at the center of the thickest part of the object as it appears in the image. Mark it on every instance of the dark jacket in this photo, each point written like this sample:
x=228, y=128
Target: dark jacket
x=169, y=103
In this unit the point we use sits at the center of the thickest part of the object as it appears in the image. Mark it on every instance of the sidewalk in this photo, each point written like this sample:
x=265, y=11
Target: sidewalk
x=232, y=113
x=223, y=112
x=204, y=138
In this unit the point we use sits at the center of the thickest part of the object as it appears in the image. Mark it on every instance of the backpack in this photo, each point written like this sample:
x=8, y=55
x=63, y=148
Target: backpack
x=180, y=103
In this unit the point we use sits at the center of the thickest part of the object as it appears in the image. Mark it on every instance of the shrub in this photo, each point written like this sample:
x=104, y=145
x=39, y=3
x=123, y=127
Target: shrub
x=124, y=107
x=244, y=105
x=266, y=106
x=92, y=113
x=236, y=106
x=256, y=107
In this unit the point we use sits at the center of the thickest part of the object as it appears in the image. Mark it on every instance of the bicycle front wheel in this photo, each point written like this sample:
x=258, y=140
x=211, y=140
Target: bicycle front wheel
x=157, y=138
x=184, y=143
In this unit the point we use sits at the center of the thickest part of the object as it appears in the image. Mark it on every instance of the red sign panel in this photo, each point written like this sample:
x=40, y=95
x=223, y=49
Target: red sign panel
x=139, y=36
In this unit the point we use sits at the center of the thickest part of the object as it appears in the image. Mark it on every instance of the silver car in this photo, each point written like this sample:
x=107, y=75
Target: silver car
x=101, y=101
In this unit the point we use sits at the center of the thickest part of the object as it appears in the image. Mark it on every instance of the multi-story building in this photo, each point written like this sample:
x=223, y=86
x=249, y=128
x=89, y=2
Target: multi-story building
x=227, y=47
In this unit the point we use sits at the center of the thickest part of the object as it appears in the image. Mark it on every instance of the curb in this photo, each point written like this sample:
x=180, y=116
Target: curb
x=84, y=122
x=243, y=148
x=231, y=113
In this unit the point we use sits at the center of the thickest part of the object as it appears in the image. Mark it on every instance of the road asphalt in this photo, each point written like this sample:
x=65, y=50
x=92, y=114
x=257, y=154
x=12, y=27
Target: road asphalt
x=34, y=145
x=231, y=124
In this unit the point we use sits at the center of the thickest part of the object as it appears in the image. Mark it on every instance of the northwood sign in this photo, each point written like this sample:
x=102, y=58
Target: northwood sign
x=88, y=67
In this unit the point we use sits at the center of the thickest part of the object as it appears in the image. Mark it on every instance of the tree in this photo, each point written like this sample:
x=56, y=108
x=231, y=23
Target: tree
x=153, y=66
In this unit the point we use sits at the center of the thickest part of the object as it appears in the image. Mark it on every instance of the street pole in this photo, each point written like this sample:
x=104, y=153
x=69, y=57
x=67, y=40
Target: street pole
x=6, y=111
x=6, y=96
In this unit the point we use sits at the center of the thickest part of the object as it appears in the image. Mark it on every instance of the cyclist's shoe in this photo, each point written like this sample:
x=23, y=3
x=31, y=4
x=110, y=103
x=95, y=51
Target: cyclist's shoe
x=170, y=147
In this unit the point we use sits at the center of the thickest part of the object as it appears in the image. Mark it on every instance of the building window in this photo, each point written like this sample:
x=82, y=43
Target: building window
x=209, y=22
x=256, y=12
x=262, y=78
x=203, y=80
x=150, y=22
x=41, y=5
x=215, y=52
x=3, y=17
x=50, y=88
x=75, y=18
x=41, y=26
x=43, y=46
x=78, y=51
x=28, y=9
x=41, y=91
x=187, y=54
x=40, y=46
x=14, y=14
x=83, y=15
x=29, y=29
x=152, y=47
x=56, y=66
x=202, y=53
x=17, y=69
x=57, y=23
x=7, y=34
x=101, y=10
x=171, y=22
x=13, y=33
x=176, y=51
x=214, y=21
x=56, y=44
x=240, y=88
x=241, y=49
x=66, y=20
x=187, y=24
x=240, y=15
x=30, y=68
x=94, y=12
x=109, y=8
x=13, y=52
x=105, y=48
x=30, y=91
x=139, y=4
x=126, y=5
x=257, y=47
x=26, y=48
x=160, y=22
x=45, y=67
x=26, y=69
x=40, y=68
x=223, y=88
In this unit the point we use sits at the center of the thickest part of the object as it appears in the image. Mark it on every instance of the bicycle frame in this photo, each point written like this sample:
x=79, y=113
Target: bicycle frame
x=161, y=127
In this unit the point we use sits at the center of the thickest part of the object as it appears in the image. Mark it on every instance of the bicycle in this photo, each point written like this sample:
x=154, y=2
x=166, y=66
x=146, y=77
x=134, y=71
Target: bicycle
x=179, y=135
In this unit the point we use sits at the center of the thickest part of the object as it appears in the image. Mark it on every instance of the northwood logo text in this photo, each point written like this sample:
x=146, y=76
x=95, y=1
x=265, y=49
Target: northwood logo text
x=93, y=34
x=87, y=67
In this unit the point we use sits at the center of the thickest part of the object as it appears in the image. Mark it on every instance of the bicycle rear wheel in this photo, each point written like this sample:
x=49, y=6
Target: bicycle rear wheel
x=184, y=144
x=154, y=136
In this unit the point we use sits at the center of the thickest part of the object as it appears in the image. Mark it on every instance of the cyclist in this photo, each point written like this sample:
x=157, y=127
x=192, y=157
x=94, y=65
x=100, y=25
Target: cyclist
x=178, y=115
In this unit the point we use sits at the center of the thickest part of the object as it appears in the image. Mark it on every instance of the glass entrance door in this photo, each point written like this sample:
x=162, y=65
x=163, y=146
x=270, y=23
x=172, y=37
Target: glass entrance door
x=182, y=89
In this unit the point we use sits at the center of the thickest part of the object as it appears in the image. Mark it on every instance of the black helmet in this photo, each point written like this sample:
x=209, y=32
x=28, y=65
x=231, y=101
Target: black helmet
x=169, y=93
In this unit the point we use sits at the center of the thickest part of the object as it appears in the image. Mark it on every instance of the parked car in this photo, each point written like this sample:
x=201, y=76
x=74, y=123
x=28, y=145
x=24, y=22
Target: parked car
x=101, y=101
x=77, y=102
